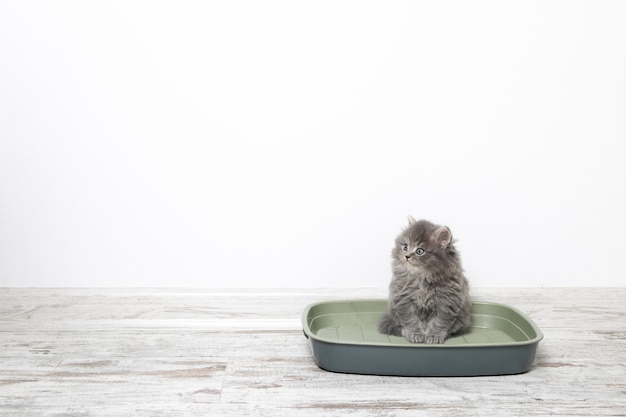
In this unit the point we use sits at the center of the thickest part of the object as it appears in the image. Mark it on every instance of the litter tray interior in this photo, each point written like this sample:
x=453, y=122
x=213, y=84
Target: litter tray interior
x=356, y=322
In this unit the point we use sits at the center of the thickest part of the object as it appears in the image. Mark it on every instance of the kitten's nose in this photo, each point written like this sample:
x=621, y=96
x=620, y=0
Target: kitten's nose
x=407, y=256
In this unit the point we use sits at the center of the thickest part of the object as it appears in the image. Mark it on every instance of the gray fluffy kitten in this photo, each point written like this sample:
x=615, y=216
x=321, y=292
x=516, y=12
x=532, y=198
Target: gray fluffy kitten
x=428, y=295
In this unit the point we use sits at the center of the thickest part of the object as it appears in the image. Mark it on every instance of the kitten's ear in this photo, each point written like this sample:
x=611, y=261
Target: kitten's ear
x=412, y=221
x=443, y=237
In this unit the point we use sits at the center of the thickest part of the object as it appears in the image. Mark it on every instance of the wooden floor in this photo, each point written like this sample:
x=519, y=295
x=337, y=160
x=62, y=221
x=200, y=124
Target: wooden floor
x=183, y=352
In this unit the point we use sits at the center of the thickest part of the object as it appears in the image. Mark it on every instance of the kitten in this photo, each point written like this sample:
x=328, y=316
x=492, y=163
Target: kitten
x=428, y=295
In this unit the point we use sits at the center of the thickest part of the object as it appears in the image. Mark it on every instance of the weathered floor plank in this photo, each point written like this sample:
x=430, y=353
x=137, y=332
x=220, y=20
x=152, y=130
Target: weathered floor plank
x=146, y=352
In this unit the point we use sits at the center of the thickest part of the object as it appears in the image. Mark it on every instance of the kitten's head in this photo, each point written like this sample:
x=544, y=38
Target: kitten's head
x=424, y=246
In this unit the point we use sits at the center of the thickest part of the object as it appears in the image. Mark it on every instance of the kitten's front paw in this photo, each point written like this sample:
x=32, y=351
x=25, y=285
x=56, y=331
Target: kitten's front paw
x=414, y=337
x=435, y=340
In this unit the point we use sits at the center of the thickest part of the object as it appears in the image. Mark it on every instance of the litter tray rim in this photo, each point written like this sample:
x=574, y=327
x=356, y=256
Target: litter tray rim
x=528, y=321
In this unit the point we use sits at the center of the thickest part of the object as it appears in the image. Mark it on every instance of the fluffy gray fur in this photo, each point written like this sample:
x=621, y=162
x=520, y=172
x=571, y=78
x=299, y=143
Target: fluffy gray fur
x=428, y=295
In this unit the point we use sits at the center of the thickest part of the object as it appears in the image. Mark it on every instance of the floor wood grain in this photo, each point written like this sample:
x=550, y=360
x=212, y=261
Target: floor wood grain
x=197, y=352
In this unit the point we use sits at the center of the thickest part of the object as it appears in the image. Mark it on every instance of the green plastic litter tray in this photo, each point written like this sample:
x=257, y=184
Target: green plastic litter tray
x=344, y=338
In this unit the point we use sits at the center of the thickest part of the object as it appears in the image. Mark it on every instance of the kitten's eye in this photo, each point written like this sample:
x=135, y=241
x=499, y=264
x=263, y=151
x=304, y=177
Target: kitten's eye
x=405, y=248
x=419, y=251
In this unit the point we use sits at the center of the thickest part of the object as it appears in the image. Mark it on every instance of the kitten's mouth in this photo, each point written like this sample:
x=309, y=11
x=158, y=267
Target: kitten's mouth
x=408, y=262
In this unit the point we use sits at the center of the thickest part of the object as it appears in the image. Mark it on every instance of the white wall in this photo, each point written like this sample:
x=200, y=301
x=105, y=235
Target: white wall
x=283, y=144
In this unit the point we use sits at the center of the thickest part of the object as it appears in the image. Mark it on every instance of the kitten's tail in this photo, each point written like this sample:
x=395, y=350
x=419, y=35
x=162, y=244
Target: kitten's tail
x=386, y=325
